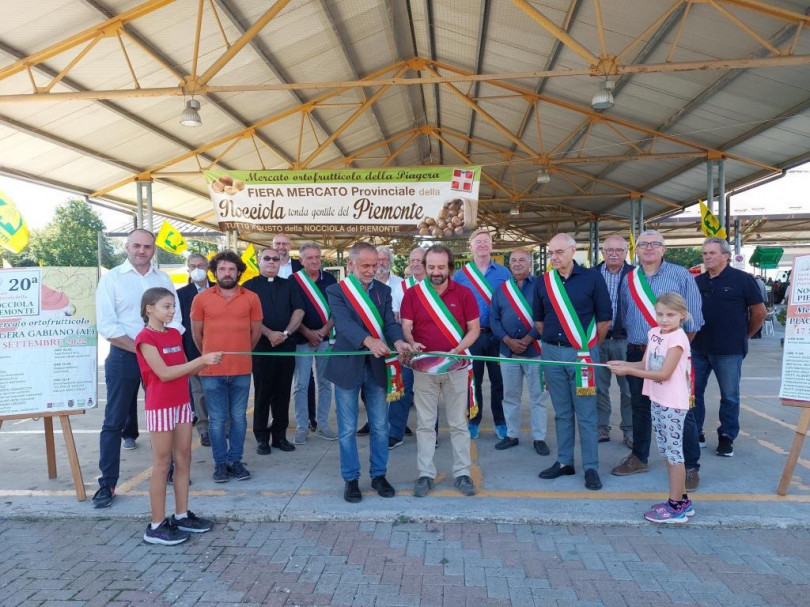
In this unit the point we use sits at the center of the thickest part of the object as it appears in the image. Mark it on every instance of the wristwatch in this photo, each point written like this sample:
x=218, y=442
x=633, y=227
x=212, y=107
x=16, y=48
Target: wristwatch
x=285, y=333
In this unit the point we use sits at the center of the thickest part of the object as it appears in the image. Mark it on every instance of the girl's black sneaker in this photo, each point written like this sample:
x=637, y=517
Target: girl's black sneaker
x=166, y=534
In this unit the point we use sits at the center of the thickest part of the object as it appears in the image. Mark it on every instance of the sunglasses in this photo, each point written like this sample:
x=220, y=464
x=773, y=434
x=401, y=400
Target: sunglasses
x=268, y=258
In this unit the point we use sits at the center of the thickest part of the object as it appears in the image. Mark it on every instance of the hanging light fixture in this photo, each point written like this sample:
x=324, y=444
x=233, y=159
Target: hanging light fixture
x=543, y=176
x=603, y=100
x=190, y=115
x=515, y=210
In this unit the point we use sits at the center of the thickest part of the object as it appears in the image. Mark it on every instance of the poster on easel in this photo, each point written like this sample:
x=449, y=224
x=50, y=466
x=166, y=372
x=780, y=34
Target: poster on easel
x=48, y=339
x=796, y=357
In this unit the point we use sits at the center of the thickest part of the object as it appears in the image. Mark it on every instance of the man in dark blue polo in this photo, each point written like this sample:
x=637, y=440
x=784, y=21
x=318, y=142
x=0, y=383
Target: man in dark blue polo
x=733, y=310
x=572, y=313
x=512, y=324
x=483, y=276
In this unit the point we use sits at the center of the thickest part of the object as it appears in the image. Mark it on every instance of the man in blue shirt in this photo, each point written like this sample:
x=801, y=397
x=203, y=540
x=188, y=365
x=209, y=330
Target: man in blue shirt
x=734, y=310
x=512, y=325
x=588, y=300
x=484, y=277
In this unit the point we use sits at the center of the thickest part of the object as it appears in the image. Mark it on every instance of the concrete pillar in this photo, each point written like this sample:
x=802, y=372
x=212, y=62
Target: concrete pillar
x=150, y=219
x=139, y=205
x=710, y=185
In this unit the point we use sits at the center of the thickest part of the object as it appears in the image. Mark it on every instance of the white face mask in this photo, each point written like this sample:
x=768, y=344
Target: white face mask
x=197, y=274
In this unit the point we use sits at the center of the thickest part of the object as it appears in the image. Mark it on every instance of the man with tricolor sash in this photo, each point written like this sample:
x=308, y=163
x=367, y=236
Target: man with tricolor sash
x=512, y=324
x=572, y=313
x=364, y=321
x=315, y=334
x=441, y=315
x=639, y=290
x=483, y=277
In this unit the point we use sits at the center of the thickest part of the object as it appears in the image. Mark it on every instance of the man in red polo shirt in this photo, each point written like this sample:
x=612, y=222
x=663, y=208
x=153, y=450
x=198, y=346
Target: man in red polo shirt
x=439, y=315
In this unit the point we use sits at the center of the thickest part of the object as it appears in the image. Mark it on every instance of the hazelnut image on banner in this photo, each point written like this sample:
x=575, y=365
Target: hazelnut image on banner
x=217, y=187
x=226, y=180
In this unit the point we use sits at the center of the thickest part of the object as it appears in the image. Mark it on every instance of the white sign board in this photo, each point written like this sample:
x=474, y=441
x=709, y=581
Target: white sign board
x=796, y=355
x=738, y=261
x=48, y=357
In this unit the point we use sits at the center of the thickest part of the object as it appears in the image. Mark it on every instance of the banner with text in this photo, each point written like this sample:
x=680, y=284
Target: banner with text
x=796, y=353
x=441, y=202
x=48, y=358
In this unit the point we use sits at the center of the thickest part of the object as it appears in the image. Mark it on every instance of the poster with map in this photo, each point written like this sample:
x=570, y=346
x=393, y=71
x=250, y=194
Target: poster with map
x=48, y=355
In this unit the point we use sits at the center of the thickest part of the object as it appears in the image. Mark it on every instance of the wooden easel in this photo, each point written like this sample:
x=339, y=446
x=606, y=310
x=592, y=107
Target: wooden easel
x=70, y=444
x=798, y=442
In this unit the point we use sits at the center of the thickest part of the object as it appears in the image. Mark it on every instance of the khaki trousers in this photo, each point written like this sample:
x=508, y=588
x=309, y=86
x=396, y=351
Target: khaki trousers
x=427, y=390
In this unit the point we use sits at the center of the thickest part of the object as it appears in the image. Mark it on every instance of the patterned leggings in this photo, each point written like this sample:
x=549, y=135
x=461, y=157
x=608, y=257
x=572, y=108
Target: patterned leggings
x=668, y=426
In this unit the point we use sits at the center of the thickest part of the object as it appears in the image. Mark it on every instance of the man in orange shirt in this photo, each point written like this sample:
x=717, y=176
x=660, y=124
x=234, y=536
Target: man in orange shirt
x=227, y=317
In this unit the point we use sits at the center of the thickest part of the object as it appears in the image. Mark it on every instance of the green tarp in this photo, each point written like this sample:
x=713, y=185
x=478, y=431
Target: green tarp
x=766, y=258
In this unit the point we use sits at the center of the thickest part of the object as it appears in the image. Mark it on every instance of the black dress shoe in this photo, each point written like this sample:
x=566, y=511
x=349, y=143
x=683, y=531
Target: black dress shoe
x=283, y=444
x=557, y=470
x=364, y=431
x=507, y=442
x=541, y=447
x=382, y=486
x=351, y=493
x=263, y=449
x=592, y=480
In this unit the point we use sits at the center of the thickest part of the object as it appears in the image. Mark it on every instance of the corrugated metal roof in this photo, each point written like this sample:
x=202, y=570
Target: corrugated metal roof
x=514, y=80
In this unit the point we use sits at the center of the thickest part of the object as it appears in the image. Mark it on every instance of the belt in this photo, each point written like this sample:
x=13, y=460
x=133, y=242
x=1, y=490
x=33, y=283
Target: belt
x=486, y=330
x=637, y=347
x=562, y=344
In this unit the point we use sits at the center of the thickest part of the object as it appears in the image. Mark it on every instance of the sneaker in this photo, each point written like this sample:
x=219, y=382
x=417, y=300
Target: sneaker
x=192, y=523
x=166, y=534
x=500, y=431
x=630, y=465
x=628, y=439
x=603, y=434
x=664, y=513
x=130, y=444
x=688, y=508
x=422, y=486
x=326, y=433
x=364, y=430
x=300, y=436
x=221, y=473
x=393, y=443
x=465, y=485
x=692, y=480
x=103, y=497
x=474, y=430
x=702, y=440
x=725, y=446
x=205, y=440
x=238, y=471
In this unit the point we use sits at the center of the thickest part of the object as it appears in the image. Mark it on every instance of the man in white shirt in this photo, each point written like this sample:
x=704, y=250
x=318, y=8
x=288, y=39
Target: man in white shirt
x=385, y=261
x=118, y=312
x=282, y=244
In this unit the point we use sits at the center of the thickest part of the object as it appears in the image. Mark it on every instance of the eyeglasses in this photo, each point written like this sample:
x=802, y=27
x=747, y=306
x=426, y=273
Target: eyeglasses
x=268, y=258
x=614, y=251
x=650, y=245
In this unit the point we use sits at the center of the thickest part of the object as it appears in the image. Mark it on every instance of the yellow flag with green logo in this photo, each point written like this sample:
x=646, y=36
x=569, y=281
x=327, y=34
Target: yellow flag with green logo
x=13, y=229
x=632, y=247
x=709, y=223
x=170, y=239
x=249, y=257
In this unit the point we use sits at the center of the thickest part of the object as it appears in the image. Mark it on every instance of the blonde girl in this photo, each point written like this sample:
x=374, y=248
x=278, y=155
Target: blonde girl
x=665, y=370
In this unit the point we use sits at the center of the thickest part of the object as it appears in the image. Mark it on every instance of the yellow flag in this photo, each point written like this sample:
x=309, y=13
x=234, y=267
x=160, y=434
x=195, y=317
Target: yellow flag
x=249, y=257
x=709, y=224
x=632, y=247
x=170, y=239
x=549, y=267
x=13, y=229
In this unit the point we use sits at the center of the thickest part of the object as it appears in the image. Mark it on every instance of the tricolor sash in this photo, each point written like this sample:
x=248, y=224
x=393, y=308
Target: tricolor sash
x=479, y=282
x=642, y=295
x=369, y=315
x=408, y=283
x=579, y=338
x=316, y=298
x=449, y=327
x=521, y=307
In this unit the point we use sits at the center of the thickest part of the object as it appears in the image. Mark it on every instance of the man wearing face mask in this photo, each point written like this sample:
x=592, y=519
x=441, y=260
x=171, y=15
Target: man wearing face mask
x=198, y=282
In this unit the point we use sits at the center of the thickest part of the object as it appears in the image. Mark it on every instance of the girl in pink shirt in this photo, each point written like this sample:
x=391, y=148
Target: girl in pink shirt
x=665, y=370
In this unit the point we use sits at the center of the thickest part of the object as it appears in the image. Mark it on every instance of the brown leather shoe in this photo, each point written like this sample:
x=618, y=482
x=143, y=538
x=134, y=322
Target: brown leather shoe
x=692, y=480
x=630, y=465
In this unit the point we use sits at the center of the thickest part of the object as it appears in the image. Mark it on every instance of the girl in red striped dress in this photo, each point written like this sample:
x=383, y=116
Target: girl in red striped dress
x=164, y=371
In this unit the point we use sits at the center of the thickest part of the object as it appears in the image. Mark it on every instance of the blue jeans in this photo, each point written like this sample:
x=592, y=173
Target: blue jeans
x=561, y=382
x=399, y=409
x=728, y=370
x=227, y=397
x=123, y=379
x=377, y=411
x=303, y=373
x=488, y=345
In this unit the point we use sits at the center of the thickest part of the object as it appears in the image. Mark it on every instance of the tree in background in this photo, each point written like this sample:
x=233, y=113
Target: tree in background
x=685, y=256
x=71, y=239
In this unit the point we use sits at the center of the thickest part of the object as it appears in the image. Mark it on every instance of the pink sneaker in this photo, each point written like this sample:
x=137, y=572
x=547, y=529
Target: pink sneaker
x=664, y=513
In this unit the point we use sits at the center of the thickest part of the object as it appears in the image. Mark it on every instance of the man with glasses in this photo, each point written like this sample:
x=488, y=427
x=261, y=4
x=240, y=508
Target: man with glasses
x=287, y=265
x=572, y=314
x=282, y=311
x=613, y=269
x=639, y=289
x=734, y=310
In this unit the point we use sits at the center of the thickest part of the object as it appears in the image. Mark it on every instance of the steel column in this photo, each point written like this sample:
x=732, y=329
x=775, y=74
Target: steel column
x=139, y=205
x=737, y=239
x=710, y=185
x=721, y=193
